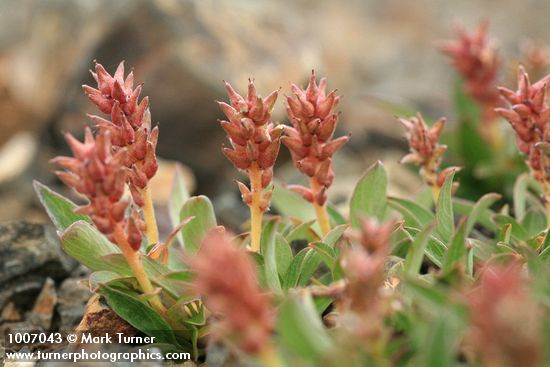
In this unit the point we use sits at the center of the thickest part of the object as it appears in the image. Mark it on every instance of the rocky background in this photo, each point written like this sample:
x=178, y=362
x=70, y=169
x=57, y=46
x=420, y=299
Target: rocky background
x=375, y=52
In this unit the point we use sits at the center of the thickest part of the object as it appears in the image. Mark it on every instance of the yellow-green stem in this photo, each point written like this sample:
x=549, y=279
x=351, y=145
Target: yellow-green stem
x=152, y=231
x=435, y=192
x=269, y=358
x=256, y=212
x=320, y=210
x=548, y=215
x=134, y=260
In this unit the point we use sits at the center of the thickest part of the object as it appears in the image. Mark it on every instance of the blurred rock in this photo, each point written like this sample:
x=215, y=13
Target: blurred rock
x=29, y=253
x=72, y=299
x=42, y=313
x=10, y=313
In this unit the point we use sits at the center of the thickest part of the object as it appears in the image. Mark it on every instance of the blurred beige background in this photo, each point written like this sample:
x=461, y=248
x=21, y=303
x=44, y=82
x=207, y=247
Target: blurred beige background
x=182, y=49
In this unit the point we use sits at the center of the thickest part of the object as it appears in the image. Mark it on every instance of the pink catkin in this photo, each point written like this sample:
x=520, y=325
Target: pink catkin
x=254, y=138
x=476, y=60
x=129, y=124
x=310, y=139
x=226, y=279
x=98, y=174
x=504, y=318
x=529, y=115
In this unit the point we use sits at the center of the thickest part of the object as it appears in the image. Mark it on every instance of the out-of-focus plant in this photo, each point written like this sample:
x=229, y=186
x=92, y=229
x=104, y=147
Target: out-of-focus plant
x=391, y=282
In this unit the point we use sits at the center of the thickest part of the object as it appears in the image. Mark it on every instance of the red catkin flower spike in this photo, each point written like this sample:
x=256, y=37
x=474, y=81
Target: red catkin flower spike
x=425, y=150
x=226, y=279
x=255, y=143
x=476, y=60
x=310, y=139
x=529, y=115
x=100, y=175
x=129, y=124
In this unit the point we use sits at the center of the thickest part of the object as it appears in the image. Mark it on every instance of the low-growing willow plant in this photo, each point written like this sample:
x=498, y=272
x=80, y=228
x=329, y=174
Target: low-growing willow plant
x=430, y=280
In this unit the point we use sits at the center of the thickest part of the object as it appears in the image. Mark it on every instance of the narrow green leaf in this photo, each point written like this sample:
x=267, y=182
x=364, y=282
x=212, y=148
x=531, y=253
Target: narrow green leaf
x=102, y=277
x=85, y=244
x=59, y=208
x=283, y=254
x=413, y=261
x=175, y=283
x=302, y=267
x=457, y=249
x=270, y=261
x=204, y=219
x=302, y=231
x=269, y=228
x=138, y=314
x=415, y=215
x=332, y=238
x=326, y=252
x=435, y=251
x=438, y=349
x=481, y=249
x=336, y=217
x=464, y=207
x=301, y=329
x=479, y=208
x=534, y=222
x=444, y=210
x=369, y=196
x=517, y=230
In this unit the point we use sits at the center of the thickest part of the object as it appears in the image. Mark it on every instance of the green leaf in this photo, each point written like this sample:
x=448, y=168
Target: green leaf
x=464, y=207
x=520, y=195
x=435, y=251
x=431, y=297
x=204, y=219
x=534, y=222
x=270, y=262
x=479, y=208
x=335, y=217
x=413, y=261
x=302, y=231
x=174, y=283
x=517, y=230
x=326, y=252
x=178, y=196
x=138, y=314
x=332, y=238
x=457, y=250
x=444, y=210
x=415, y=215
x=301, y=329
x=269, y=228
x=302, y=267
x=438, y=349
x=59, y=208
x=85, y=244
x=369, y=196
x=283, y=254
x=98, y=278
x=482, y=250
